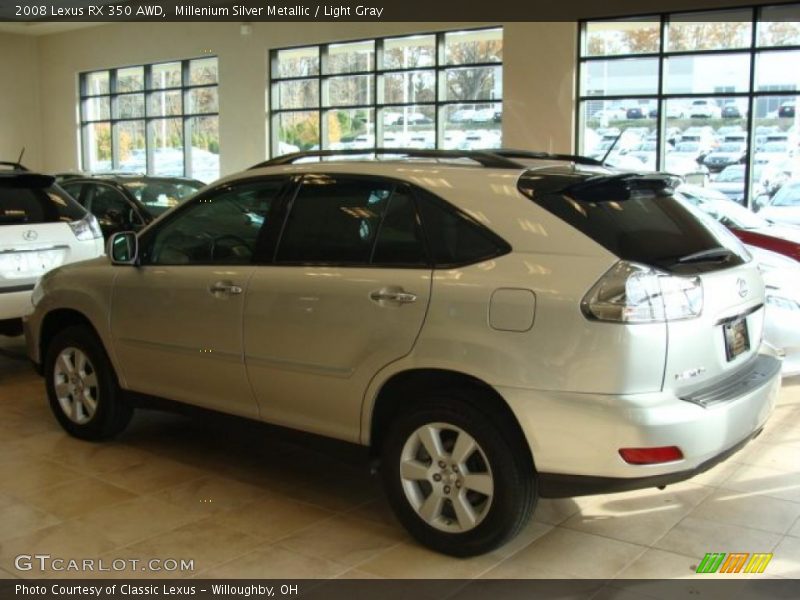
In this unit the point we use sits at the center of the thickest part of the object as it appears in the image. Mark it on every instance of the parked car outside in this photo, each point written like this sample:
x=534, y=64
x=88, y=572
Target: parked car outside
x=787, y=110
x=41, y=228
x=489, y=343
x=725, y=155
x=124, y=202
x=782, y=318
x=731, y=111
x=731, y=182
x=704, y=109
x=750, y=228
x=784, y=207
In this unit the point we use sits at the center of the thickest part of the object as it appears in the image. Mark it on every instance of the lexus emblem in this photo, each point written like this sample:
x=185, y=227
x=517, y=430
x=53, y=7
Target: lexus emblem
x=30, y=235
x=741, y=285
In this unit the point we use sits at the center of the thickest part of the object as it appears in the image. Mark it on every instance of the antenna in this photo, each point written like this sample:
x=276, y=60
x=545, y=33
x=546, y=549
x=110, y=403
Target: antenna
x=21, y=154
x=610, y=148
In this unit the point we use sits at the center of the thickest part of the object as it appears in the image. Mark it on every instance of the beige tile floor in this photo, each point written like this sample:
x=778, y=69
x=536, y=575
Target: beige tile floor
x=242, y=504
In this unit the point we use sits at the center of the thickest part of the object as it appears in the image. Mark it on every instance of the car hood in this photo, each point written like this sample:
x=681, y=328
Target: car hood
x=728, y=186
x=785, y=232
x=782, y=214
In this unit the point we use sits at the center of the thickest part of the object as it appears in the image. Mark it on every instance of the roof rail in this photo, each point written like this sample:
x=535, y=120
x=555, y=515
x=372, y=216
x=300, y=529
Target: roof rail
x=15, y=165
x=485, y=158
x=576, y=158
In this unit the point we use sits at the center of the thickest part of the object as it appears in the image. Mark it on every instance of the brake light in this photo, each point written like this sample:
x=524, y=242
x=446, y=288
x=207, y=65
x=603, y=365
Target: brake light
x=650, y=456
x=634, y=293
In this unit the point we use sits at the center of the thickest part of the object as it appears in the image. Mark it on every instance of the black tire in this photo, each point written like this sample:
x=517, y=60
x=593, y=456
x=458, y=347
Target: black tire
x=515, y=489
x=112, y=413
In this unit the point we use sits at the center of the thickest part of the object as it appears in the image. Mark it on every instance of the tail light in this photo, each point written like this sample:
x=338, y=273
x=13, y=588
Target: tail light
x=634, y=293
x=87, y=228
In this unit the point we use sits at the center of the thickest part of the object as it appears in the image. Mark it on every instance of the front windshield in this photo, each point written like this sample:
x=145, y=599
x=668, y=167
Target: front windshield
x=775, y=147
x=159, y=195
x=788, y=195
x=730, y=148
x=729, y=174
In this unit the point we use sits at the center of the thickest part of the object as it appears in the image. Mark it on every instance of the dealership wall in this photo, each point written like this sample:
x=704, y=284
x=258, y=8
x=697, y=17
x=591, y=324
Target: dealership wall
x=19, y=99
x=539, y=65
x=38, y=75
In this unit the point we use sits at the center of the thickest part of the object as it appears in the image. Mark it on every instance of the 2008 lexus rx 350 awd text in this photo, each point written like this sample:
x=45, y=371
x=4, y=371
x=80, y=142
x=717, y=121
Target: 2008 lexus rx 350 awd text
x=495, y=327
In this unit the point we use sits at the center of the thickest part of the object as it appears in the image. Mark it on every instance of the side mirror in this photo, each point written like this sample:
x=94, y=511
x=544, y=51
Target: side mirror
x=123, y=248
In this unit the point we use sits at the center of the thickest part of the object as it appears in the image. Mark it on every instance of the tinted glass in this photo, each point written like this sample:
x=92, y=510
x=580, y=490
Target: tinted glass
x=218, y=229
x=159, y=195
x=20, y=205
x=109, y=206
x=400, y=239
x=637, y=221
x=453, y=237
x=788, y=195
x=334, y=221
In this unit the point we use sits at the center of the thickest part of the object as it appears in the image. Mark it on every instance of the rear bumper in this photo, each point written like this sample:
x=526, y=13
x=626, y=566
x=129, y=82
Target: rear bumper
x=575, y=438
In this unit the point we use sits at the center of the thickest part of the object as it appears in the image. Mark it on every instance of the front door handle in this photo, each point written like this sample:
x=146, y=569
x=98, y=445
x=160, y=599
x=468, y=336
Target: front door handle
x=396, y=295
x=225, y=287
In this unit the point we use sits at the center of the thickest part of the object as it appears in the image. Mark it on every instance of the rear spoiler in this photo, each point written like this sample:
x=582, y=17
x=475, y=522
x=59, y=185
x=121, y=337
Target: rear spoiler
x=25, y=180
x=619, y=187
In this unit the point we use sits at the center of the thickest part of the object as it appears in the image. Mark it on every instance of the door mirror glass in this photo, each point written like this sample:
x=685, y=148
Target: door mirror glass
x=123, y=248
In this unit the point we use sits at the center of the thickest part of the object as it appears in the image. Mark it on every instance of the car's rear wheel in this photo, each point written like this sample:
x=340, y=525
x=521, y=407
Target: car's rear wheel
x=82, y=387
x=456, y=477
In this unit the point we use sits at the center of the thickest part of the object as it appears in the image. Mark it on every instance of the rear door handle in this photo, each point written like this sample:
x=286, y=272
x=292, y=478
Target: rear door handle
x=225, y=287
x=396, y=295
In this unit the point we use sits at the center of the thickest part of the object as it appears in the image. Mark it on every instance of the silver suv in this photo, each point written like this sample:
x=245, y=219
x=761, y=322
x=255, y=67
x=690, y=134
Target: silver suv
x=494, y=327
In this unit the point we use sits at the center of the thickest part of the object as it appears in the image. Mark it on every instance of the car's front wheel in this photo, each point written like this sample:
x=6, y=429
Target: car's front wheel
x=455, y=476
x=82, y=387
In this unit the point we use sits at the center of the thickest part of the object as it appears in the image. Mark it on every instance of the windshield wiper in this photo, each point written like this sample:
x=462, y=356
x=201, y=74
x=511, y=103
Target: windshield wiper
x=719, y=253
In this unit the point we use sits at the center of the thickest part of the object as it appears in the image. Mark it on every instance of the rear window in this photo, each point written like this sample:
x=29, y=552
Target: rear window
x=21, y=204
x=638, y=219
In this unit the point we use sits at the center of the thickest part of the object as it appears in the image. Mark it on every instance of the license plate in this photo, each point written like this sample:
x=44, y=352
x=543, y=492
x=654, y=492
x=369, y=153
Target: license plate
x=737, y=340
x=30, y=263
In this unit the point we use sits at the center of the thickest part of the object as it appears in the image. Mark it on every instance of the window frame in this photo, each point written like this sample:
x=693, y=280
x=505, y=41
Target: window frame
x=661, y=97
x=147, y=118
x=440, y=67
x=266, y=236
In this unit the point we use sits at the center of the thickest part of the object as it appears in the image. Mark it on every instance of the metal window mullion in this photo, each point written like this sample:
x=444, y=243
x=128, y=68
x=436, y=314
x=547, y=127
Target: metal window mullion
x=438, y=122
x=323, y=93
x=576, y=138
x=378, y=117
x=112, y=100
x=187, y=147
x=661, y=103
x=748, y=165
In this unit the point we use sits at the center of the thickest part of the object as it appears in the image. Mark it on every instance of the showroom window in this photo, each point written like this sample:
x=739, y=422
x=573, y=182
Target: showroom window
x=709, y=95
x=159, y=119
x=438, y=90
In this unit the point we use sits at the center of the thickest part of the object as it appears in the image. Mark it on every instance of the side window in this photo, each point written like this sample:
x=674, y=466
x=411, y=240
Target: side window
x=400, y=241
x=108, y=205
x=455, y=238
x=334, y=221
x=219, y=229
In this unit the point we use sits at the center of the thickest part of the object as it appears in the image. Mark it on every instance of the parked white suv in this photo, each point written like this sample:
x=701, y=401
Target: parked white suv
x=493, y=331
x=41, y=227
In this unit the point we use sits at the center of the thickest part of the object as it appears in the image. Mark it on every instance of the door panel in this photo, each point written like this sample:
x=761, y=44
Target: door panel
x=347, y=296
x=314, y=338
x=176, y=338
x=177, y=320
